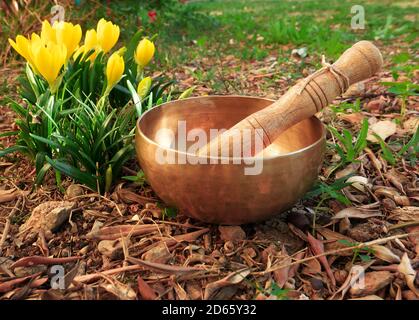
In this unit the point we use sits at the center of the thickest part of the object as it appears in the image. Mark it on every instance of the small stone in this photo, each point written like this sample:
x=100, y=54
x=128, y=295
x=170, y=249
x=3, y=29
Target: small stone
x=231, y=233
x=112, y=249
x=317, y=284
x=74, y=190
x=47, y=217
x=158, y=254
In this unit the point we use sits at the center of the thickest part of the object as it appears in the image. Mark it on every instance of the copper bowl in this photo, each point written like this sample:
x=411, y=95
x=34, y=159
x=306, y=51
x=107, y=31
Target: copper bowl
x=222, y=193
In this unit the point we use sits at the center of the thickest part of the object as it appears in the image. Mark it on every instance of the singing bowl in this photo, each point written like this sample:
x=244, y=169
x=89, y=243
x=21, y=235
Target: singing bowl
x=223, y=193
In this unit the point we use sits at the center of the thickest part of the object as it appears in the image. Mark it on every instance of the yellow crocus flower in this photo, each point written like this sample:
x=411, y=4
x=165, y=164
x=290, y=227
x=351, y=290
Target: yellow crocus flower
x=144, y=52
x=22, y=46
x=114, y=70
x=79, y=51
x=107, y=34
x=68, y=34
x=144, y=87
x=48, y=60
x=90, y=40
x=48, y=33
x=90, y=43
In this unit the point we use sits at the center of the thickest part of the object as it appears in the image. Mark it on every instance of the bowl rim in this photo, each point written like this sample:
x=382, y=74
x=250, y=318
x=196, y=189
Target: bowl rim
x=282, y=155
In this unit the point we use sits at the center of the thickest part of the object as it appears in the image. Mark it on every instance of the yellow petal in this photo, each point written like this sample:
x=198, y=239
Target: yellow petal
x=90, y=40
x=21, y=46
x=48, y=59
x=68, y=35
x=114, y=69
x=144, y=87
x=48, y=34
x=107, y=34
x=144, y=52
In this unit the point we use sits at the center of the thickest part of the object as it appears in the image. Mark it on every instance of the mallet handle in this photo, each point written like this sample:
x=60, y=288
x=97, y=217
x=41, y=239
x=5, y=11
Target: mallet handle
x=304, y=99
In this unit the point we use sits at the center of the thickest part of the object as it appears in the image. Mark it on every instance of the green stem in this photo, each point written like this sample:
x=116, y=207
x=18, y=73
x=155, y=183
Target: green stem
x=58, y=181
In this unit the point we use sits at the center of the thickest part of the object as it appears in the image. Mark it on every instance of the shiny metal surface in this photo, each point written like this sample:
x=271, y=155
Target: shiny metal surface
x=222, y=193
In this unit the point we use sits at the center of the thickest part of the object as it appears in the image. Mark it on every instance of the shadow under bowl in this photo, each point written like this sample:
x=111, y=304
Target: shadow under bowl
x=217, y=192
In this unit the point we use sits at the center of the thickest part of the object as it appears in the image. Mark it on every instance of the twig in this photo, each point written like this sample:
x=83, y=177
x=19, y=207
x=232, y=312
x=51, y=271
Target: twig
x=98, y=275
x=8, y=222
x=403, y=225
x=100, y=196
x=358, y=246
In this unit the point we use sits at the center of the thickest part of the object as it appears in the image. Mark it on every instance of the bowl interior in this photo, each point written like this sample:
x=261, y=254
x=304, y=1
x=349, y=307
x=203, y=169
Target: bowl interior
x=221, y=112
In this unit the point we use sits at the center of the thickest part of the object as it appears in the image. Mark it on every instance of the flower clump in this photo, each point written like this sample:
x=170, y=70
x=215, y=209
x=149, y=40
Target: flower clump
x=49, y=52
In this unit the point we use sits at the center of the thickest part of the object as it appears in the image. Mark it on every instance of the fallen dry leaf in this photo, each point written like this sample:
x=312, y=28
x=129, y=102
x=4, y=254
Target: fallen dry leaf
x=352, y=277
x=163, y=268
x=385, y=254
x=353, y=212
x=318, y=248
x=359, y=183
x=144, y=290
x=349, y=169
x=405, y=267
x=231, y=233
x=9, y=285
x=396, y=178
x=37, y=260
x=118, y=289
x=411, y=125
x=372, y=282
x=128, y=196
x=376, y=105
x=232, y=279
x=11, y=194
x=383, y=129
x=333, y=241
x=353, y=118
x=116, y=232
x=405, y=214
x=281, y=275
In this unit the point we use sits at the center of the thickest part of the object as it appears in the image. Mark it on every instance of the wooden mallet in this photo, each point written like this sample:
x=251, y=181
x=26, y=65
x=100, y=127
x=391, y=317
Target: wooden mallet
x=300, y=102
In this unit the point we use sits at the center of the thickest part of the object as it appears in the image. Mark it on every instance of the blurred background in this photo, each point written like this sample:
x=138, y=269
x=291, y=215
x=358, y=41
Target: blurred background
x=228, y=46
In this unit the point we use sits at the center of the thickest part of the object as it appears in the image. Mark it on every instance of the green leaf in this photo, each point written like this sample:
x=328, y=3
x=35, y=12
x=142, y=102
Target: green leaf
x=387, y=154
x=12, y=149
x=347, y=242
x=40, y=174
x=135, y=98
x=170, y=212
x=365, y=258
x=73, y=172
x=9, y=134
x=132, y=45
x=361, y=142
x=413, y=142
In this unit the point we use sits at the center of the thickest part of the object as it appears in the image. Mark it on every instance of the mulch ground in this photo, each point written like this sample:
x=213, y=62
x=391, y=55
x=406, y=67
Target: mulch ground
x=122, y=246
